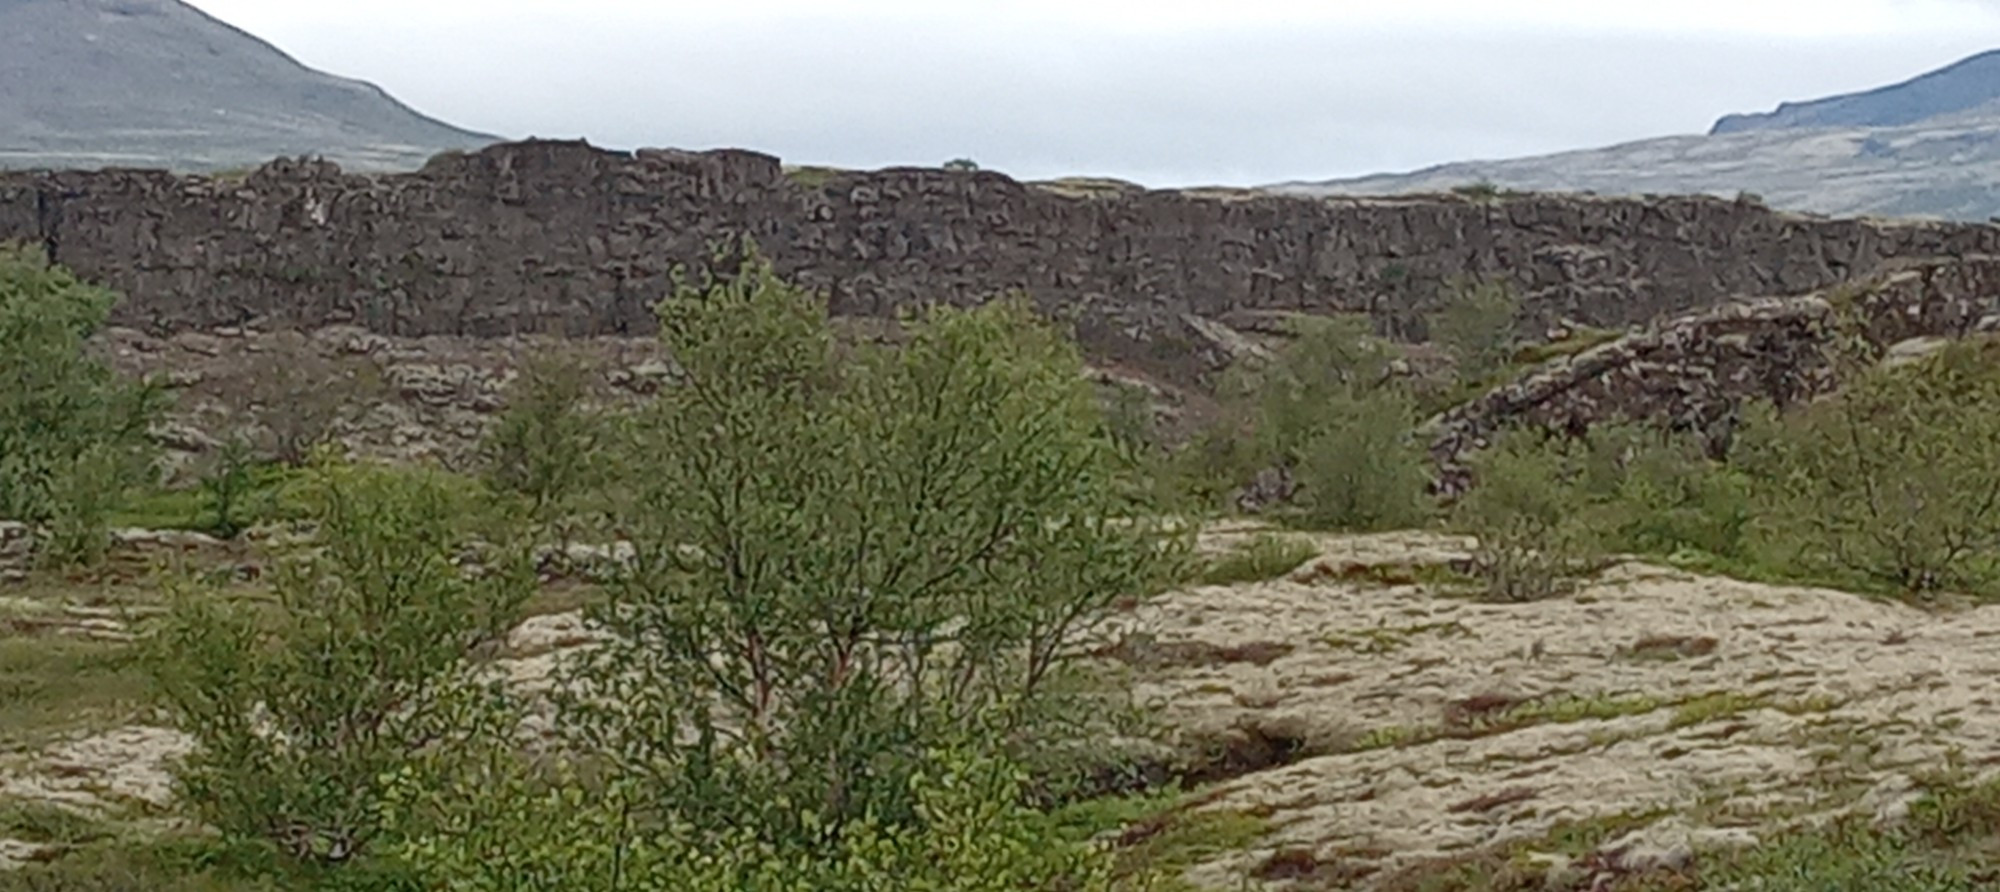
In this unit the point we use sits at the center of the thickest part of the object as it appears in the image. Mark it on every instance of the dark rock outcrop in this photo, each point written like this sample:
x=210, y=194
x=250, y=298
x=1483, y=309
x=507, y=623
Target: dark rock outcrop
x=559, y=237
x=1694, y=372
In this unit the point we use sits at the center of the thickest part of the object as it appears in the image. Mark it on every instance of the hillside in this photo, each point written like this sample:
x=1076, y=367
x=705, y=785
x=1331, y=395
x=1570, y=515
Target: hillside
x=1968, y=85
x=1928, y=147
x=158, y=83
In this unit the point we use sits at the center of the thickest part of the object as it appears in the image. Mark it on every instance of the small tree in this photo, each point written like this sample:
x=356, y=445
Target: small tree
x=1537, y=523
x=72, y=434
x=1895, y=481
x=301, y=714
x=1362, y=469
x=545, y=446
x=228, y=483
x=1330, y=409
x=1666, y=496
x=296, y=399
x=961, y=164
x=1329, y=358
x=1476, y=326
x=842, y=564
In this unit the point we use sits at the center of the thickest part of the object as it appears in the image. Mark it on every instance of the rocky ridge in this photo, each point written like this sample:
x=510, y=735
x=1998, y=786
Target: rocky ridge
x=287, y=260
x=1928, y=147
x=564, y=239
x=1693, y=372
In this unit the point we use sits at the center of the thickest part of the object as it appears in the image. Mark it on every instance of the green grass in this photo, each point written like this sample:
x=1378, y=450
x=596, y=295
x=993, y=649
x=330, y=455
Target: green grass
x=186, y=862
x=1515, y=868
x=1950, y=843
x=51, y=685
x=191, y=508
x=43, y=823
x=1717, y=705
x=1579, y=341
x=812, y=176
x=165, y=509
x=1157, y=853
x=1267, y=556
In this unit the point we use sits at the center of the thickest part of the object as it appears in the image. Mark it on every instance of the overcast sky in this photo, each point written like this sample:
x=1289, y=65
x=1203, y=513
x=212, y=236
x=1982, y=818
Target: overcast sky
x=1164, y=92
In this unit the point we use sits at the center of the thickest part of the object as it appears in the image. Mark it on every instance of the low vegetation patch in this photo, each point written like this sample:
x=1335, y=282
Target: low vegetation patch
x=1267, y=556
x=52, y=685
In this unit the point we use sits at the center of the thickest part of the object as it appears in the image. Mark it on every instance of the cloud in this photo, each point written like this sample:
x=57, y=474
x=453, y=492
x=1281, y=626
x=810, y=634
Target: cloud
x=1164, y=92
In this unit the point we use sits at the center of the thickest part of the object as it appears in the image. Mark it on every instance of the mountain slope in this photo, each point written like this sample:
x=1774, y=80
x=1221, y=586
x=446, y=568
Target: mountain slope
x=1928, y=147
x=1962, y=86
x=93, y=83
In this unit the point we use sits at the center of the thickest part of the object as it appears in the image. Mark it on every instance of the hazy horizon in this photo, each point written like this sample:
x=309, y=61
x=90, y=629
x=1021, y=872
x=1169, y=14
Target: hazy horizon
x=1162, y=93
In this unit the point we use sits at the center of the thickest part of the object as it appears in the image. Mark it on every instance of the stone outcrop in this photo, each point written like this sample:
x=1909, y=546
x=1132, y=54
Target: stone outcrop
x=562, y=238
x=435, y=280
x=1693, y=372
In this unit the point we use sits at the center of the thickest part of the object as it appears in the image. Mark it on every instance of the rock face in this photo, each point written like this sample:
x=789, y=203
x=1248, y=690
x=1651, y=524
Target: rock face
x=1694, y=372
x=561, y=238
x=94, y=83
x=1927, y=147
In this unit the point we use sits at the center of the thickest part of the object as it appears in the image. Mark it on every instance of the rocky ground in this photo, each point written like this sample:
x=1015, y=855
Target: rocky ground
x=404, y=399
x=1377, y=721
x=1419, y=726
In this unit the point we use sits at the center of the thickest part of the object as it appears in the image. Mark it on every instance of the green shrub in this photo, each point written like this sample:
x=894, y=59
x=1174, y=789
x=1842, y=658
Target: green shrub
x=1330, y=408
x=1537, y=523
x=1285, y=400
x=546, y=446
x=295, y=399
x=1475, y=326
x=1894, y=482
x=72, y=434
x=844, y=561
x=1667, y=497
x=510, y=831
x=1363, y=469
x=227, y=484
x=301, y=710
x=1482, y=190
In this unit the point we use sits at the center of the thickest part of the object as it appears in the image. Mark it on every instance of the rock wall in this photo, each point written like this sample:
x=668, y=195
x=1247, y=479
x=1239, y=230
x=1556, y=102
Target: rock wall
x=557, y=237
x=1694, y=371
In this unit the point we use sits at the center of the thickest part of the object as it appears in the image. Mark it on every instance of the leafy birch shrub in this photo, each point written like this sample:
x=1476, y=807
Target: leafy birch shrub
x=1330, y=409
x=513, y=830
x=843, y=566
x=1667, y=497
x=547, y=445
x=1476, y=326
x=72, y=434
x=295, y=399
x=360, y=668
x=1537, y=522
x=1894, y=482
x=1362, y=469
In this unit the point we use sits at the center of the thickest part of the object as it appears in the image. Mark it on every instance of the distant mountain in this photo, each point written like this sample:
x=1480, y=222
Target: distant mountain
x=1966, y=86
x=1927, y=147
x=158, y=83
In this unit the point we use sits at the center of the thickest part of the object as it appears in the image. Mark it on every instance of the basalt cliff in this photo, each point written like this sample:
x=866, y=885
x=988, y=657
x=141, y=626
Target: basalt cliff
x=432, y=274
